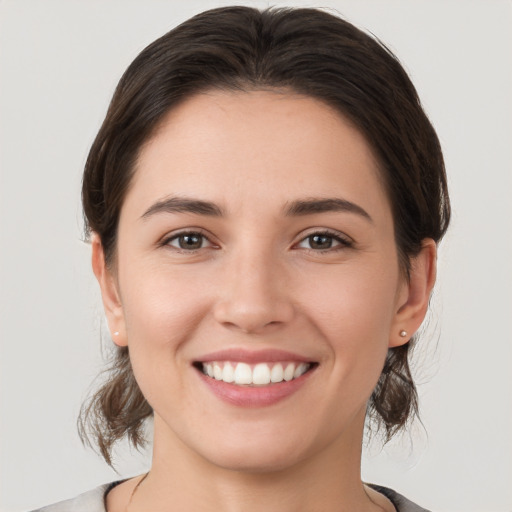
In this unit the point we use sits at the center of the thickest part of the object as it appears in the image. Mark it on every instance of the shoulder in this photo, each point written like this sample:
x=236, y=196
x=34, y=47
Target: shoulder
x=90, y=501
x=401, y=503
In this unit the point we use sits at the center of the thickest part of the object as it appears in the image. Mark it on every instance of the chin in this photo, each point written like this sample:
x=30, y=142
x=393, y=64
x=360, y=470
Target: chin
x=264, y=448
x=257, y=460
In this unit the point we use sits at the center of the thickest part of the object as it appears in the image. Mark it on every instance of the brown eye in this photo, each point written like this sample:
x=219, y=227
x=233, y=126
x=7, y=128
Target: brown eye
x=325, y=242
x=187, y=241
x=320, y=241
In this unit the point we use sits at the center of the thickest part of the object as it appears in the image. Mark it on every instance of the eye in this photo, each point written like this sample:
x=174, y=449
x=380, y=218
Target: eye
x=324, y=241
x=189, y=241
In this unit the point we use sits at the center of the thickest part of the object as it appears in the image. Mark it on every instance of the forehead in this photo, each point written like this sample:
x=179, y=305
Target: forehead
x=232, y=146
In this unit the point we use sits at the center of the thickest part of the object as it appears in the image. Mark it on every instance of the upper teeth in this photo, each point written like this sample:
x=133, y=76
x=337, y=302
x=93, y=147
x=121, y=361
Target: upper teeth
x=259, y=374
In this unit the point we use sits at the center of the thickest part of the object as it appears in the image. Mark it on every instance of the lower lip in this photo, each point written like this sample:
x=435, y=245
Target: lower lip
x=257, y=396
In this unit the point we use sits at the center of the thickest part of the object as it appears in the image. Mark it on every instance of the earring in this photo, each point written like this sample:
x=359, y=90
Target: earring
x=116, y=333
x=403, y=334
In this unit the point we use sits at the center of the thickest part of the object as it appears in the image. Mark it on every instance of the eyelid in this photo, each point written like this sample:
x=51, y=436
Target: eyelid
x=165, y=240
x=343, y=239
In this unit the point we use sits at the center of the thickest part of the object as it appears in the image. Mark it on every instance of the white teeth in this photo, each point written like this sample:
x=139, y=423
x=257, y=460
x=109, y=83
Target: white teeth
x=228, y=374
x=300, y=370
x=217, y=371
x=261, y=374
x=277, y=373
x=243, y=374
x=289, y=372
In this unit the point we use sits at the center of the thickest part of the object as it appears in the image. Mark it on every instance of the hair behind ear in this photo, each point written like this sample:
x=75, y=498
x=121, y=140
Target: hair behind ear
x=394, y=400
x=117, y=409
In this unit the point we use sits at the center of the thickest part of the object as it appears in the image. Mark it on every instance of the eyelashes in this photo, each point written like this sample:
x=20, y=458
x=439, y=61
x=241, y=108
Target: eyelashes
x=318, y=242
x=188, y=241
x=325, y=241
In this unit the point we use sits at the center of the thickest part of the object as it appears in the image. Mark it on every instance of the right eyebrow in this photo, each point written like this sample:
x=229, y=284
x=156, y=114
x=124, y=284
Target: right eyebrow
x=183, y=205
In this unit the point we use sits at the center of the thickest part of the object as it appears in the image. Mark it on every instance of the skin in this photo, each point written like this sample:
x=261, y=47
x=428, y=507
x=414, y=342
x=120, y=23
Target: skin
x=258, y=282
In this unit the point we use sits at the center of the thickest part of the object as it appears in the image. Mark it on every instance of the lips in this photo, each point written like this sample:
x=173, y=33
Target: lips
x=254, y=378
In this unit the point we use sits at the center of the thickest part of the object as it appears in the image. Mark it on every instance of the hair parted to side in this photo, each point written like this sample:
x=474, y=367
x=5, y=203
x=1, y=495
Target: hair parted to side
x=305, y=51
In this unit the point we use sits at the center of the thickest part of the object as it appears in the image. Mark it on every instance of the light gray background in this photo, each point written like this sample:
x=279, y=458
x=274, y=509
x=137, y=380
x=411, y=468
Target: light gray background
x=59, y=63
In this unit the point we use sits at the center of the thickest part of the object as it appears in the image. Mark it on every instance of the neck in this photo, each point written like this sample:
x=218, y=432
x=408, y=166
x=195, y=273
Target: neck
x=180, y=479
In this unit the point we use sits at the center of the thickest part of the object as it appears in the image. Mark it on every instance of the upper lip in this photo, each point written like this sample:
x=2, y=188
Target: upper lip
x=252, y=356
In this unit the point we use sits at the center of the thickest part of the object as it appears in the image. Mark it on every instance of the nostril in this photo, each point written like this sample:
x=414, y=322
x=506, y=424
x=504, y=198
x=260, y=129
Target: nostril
x=253, y=316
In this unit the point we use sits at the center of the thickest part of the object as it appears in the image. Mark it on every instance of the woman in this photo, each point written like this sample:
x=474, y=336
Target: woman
x=264, y=201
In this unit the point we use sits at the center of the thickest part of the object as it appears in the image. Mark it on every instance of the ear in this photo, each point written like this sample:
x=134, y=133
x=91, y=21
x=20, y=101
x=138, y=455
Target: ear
x=109, y=293
x=414, y=295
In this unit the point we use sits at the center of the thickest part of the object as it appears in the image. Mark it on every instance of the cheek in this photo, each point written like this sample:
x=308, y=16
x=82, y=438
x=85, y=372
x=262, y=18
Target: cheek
x=160, y=301
x=353, y=312
x=163, y=311
x=355, y=302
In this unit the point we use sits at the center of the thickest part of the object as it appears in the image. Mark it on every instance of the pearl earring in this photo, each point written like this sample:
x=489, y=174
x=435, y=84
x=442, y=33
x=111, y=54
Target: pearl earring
x=403, y=334
x=116, y=333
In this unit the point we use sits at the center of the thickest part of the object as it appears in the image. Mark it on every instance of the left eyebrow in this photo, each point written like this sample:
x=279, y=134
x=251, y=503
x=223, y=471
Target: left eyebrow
x=321, y=205
x=183, y=205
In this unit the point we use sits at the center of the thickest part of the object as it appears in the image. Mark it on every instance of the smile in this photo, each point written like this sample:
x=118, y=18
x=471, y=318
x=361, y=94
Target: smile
x=261, y=374
x=254, y=378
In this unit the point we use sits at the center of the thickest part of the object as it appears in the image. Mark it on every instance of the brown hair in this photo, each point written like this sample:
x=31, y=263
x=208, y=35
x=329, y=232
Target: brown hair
x=240, y=48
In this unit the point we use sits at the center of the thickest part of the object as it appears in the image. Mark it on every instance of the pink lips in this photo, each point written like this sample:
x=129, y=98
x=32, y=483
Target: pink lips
x=252, y=356
x=249, y=396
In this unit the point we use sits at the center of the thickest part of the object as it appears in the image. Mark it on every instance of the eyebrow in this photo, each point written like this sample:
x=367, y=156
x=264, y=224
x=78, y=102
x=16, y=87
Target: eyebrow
x=183, y=205
x=297, y=208
x=321, y=205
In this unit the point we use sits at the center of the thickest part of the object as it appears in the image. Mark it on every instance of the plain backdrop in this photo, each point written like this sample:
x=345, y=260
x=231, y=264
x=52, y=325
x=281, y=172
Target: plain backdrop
x=59, y=63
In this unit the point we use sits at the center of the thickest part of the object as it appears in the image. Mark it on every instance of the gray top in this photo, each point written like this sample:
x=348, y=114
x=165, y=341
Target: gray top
x=94, y=501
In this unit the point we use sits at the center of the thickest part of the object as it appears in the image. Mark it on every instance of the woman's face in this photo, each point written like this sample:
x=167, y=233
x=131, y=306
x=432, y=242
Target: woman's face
x=256, y=243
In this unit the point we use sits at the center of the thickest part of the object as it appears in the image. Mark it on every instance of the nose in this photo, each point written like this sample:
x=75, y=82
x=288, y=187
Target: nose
x=254, y=296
